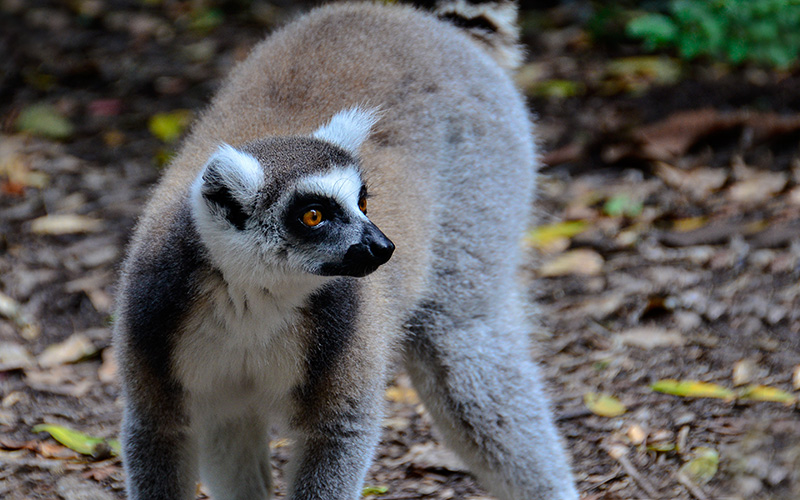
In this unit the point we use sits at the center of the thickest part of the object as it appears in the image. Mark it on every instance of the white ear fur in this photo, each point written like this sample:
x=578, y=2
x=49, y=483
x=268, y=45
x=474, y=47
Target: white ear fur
x=228, y=184
x=234, y=169
x=348, y=128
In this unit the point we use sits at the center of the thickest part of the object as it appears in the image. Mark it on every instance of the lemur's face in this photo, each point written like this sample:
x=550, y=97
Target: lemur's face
x=327, y=228
x=288, y=206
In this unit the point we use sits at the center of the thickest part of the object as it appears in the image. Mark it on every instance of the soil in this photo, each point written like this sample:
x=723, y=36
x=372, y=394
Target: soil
x=687, y=266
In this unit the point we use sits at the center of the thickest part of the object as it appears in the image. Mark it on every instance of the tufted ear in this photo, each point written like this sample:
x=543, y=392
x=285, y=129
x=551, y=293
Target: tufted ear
x=229, y=183
x=348, y=128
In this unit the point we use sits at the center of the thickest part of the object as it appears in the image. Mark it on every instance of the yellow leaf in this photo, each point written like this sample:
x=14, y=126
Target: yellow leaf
x=603, y=405
x=692, y=389
x=689, y=224
x=702, y=467
x=405, y=395
x=766, y=393
x=657, y=69
x=580, y=261
x=557, y=89
x=374, y=490
x=661, y=446
x=170, y=126
x=543, y=237
x=78, y=441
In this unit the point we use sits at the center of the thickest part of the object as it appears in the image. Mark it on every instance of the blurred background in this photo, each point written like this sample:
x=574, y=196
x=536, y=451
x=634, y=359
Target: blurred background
x=666, y=258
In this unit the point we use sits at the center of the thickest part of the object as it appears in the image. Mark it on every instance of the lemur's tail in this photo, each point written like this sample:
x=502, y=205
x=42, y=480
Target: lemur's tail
x=493, y=23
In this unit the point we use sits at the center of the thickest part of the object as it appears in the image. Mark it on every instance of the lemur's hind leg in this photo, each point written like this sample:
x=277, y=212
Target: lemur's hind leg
x=478, y=380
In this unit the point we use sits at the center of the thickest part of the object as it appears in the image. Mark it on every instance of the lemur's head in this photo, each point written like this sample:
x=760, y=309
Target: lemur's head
x=291, y=205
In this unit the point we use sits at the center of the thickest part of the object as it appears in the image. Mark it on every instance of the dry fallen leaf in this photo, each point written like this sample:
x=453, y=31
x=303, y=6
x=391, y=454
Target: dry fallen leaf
x=73, y=349
x=758, y=189
x=698, y=182
x=636, y=434
x=661, y=441
x=431, y=455
x=617, y=451
x=107, y=373
x=400, y=394
x=581, y=261
x=796, y=378
x=648, y=337
x=65, y=224
x=743, y=372
x=396, y=423
x=14, y=357
x=674, y=136
x=101, y=473
x=16, y=168
x=58, y=380
x=11, y=309
x=681, y=439
x=73, y=487
x=54, y=450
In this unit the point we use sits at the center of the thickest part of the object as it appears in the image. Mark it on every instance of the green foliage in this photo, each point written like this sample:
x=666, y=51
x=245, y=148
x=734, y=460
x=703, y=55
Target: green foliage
x=622, y=206
x=45, y=121
x=764, y=32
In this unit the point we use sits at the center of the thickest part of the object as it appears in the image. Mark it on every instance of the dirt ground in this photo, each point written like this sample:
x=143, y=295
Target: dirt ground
x=685, y=264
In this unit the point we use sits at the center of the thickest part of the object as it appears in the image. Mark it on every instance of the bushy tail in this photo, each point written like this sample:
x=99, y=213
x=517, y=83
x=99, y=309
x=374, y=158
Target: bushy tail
x=493, y=23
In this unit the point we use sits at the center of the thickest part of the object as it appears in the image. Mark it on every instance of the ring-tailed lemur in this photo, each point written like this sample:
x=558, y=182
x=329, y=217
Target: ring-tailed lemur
x=258, y=289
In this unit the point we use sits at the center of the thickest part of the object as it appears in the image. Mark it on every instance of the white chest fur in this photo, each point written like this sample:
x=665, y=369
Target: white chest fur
x=241, y=350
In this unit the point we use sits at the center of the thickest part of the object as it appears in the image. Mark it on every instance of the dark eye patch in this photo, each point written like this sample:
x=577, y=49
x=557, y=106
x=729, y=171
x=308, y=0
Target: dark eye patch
x=332, y=213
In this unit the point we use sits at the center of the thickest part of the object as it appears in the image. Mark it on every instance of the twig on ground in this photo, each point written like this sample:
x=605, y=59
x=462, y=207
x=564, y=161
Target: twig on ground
x=619, y=453
x=693, y=489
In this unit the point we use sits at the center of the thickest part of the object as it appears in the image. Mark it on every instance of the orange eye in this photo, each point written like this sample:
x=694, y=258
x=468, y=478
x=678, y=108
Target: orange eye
x=312, y=218
x=362, y=205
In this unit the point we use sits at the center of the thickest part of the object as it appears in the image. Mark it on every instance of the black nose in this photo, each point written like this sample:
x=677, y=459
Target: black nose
x=363, y=257
x=371, y=252
x=378, y=246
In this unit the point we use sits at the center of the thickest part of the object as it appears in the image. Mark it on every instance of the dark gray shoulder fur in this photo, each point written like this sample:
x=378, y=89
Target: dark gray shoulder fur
x=331, y=313
x=156, y=292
